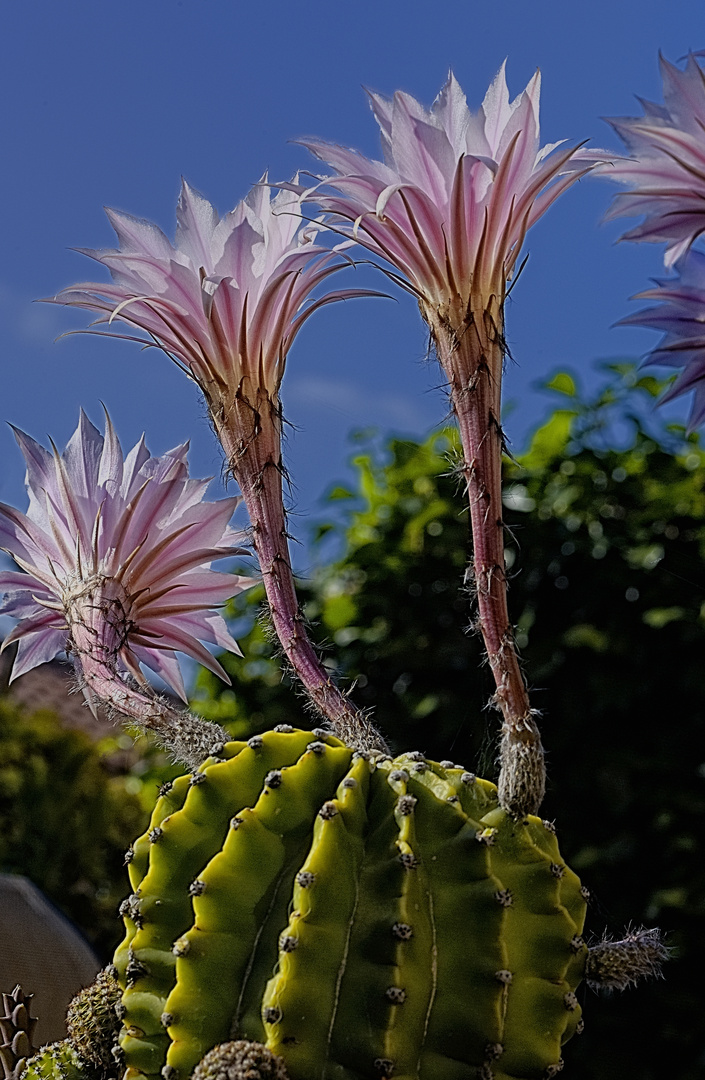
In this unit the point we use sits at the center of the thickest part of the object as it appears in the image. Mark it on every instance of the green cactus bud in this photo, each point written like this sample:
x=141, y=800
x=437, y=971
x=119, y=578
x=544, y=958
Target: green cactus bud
x=57, y=1061
x=240, y=1060
x=93, y=1023
x=16, y=1030
x=358, y=916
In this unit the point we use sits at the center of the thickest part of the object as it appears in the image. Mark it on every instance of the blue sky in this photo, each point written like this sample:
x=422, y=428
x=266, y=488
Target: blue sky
x=108, y=104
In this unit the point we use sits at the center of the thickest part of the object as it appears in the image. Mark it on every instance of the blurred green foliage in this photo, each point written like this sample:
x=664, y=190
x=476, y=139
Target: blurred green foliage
x=65, y=822
x=606, y=544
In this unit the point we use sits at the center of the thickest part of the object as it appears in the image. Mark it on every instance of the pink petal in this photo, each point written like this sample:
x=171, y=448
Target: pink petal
x=165, y=665
x=136, y=234
x=172, y=637
x=82, y=456
x=37, y=649
x=196, y=220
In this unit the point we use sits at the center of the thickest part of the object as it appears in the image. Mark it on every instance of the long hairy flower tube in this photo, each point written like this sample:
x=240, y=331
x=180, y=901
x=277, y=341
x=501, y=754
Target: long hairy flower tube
x=666, y=172
x=449, y=208
x=225, y=302
x=113, y=560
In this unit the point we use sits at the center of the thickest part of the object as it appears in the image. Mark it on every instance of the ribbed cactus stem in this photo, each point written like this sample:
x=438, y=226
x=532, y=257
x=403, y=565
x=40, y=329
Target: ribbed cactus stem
x=16, y=1030
x=250, y=432
x=98, y=613
x=470, y=347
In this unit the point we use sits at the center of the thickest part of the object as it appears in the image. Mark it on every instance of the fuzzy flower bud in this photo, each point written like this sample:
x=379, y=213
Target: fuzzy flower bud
x=616, y=965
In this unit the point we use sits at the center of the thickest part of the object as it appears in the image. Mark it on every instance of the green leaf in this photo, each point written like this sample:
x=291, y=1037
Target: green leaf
x=338, y=611
x=563, y=383
x=657, y=618
x=587, y=636
x=550, y=441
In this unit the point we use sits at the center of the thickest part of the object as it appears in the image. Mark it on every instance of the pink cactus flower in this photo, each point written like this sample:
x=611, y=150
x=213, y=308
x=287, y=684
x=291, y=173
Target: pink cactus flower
x=666, y=174
x=451, y=203
x=226, y=300
x=449, y=208
x=114, y=555
x=680, y=316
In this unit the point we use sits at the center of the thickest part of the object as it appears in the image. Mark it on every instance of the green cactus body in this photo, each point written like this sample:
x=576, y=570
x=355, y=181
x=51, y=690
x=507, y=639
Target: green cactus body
x=361, y=917
x=57, y=1061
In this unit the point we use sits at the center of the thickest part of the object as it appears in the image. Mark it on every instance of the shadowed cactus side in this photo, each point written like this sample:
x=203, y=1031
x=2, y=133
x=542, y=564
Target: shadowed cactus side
x=361, y=917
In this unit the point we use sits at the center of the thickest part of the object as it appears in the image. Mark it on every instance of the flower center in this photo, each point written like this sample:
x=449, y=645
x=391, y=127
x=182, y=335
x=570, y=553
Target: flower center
x=99, y=613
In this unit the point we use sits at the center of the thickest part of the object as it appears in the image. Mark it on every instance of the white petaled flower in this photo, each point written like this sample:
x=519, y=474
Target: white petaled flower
x=680, y=315
x=666, y=173
x=227, y=298
x=114, y=555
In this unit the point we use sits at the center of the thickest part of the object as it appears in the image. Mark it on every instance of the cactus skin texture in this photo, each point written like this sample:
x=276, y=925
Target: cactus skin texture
x=361, y=917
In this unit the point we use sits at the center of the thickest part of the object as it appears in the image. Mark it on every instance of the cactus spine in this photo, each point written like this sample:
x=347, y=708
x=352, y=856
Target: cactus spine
x=359, y=916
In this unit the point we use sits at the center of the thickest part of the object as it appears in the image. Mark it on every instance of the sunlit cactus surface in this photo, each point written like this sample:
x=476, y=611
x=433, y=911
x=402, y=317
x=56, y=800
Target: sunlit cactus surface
x=361, y=917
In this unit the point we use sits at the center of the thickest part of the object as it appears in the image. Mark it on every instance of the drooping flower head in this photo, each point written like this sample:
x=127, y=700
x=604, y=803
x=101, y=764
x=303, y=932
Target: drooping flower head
x=451, y=203
x=680, y=315
x=666, y=173
x=227, y=298
x=119, y=548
